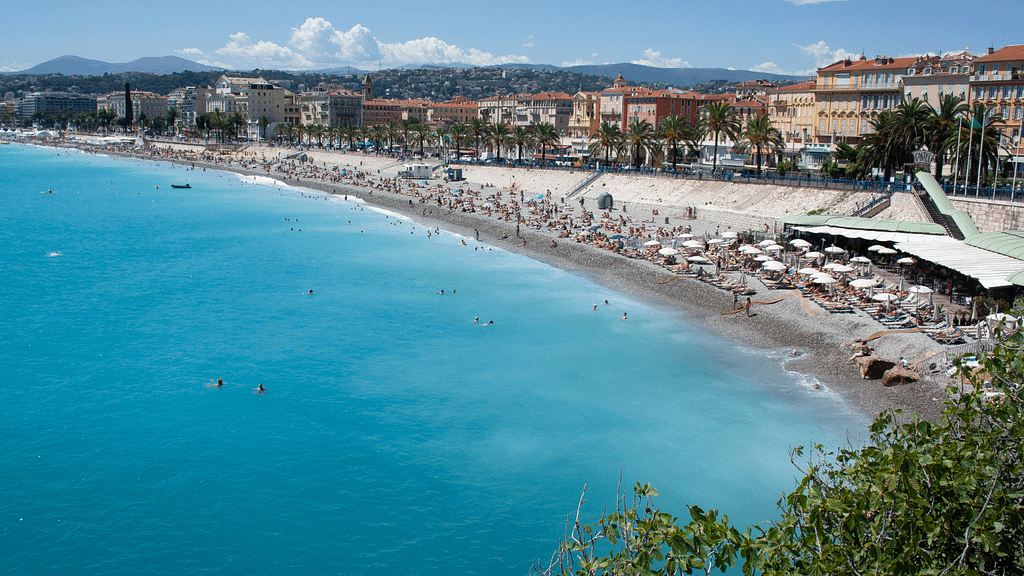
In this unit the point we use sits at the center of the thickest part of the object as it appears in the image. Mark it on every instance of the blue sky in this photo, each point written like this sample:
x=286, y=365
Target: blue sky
x=784, y=36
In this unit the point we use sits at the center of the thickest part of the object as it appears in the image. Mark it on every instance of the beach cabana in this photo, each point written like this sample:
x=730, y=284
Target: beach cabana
x=605, y=201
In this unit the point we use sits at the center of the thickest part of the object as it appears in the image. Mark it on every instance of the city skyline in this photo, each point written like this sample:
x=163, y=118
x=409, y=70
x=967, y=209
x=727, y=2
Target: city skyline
x=776, y=36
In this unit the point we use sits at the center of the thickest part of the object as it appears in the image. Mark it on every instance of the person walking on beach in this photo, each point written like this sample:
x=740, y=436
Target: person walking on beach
x=735, y=300
x=746, y=307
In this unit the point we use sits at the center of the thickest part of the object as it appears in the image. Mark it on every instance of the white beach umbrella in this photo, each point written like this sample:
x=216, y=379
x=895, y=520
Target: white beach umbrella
x=715, y=241
x=772, y=248
x=763, y=258
x=730, y=234
x=864, y=283
x=764, y=243
x=651, y=243
x=684, y=236
x=884, y=297
x=876, y=248
x=812, y=255
x=747, y=249
x=698, y=259
x=773, y=265
x=920, y=290
x=668, y=251
x=861, y=260
x=834, y=250
x=800, y=243
x=823, y=279
x=692, y=244
x=808, y=271
x=886, y=251
x=907, y=260
x=842, y=269
x=831, y=266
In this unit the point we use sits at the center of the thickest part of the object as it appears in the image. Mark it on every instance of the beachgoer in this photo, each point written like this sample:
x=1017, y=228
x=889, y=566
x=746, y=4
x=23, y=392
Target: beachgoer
x=624, y=316
x=476, y=319
x=261, y=388
x=220, y=382
x=310, y=291
x=595, y=306
x=605, y=302
x=735, y=300
x=746, y=306
x=491, y=323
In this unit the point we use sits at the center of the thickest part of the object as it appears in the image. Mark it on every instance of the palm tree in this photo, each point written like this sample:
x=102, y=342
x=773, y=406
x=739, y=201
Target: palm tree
x=546, y=135
x=677, y=129
x=406, y=126
x=605, y=140
x=521, y=137
x=760, y=135
x=422, y=132
x=285, y=130
x=172, y=119
x=719, y=119
x=497, y=134
x=880, y=148
x=457, y=133
x=640, y=136
x=980, y=139
x=441, y=138
x=263, y=123
x=942, y=130
x=477, y=128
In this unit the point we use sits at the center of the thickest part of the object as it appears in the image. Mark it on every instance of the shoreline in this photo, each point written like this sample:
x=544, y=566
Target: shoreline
x=789, y=324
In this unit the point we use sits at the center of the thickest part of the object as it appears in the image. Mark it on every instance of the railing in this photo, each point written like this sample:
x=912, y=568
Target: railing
x=861, y=208
x=1004, y=193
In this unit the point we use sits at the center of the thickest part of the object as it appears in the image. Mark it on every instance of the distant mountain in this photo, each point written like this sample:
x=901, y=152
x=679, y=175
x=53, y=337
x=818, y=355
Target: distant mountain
x=76, y=66
x=681, y=77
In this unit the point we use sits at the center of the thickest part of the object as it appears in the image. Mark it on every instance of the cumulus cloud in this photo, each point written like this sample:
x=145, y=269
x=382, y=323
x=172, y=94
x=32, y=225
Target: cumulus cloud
x=578, y=62
x=823, y=55
x=653, y=58
x=773, y=68
x=316, y=43
x=528, y=45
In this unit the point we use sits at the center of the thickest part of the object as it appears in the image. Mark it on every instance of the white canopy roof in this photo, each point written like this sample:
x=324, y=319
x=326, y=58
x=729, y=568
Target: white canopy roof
x=874, y=235
x=989, y=268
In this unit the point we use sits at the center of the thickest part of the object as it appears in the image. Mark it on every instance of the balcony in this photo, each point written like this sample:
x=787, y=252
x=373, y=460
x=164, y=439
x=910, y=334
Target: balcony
x=996, y=77
x=860, y=87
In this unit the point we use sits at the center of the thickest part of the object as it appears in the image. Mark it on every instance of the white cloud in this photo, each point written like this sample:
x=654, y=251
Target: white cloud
x=823, y=55
x=773, y=68
x=653, y=58
x=528, y=45
x=805, y=2
x=578, y=62
x=317, y=43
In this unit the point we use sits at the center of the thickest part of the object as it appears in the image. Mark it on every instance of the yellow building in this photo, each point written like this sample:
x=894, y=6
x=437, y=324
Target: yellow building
x=851, y=93
x=998, y=83
x=792, y=111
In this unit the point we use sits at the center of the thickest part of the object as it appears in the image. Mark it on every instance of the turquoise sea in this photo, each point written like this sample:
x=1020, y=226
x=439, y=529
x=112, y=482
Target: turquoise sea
x=397, y=436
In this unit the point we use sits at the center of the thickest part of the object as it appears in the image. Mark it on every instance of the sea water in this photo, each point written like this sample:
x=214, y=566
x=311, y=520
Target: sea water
x=397, y=435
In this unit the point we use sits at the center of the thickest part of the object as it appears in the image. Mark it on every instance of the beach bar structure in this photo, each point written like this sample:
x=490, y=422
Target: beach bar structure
x=416, y=171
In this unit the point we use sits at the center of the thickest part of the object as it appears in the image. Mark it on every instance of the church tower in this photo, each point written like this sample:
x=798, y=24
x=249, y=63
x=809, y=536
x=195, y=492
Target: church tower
x=367, y=88
x=620, y=82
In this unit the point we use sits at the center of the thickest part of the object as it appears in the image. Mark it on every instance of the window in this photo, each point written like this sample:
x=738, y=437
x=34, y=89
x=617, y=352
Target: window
x=995, y=68
x=981, y=69
x=1018, y=112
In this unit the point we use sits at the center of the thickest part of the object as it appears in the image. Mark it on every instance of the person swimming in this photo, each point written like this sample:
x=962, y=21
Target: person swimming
x=261, y=388
x=491, y=323
x=476, y=319
x=310, y=291
x=220, y=382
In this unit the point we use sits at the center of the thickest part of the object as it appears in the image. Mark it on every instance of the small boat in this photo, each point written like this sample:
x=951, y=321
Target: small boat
x=181, y=185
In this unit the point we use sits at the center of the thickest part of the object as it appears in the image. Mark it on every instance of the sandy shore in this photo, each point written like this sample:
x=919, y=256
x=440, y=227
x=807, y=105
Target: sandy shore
x=793, y=324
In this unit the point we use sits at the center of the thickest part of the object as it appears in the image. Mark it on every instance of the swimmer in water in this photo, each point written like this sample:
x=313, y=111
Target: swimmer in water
x=491, y=323
x=310, y=291
x=624, y=316
x=220, y=382
x=595, y=306
x=261, y=388
x=476, y=319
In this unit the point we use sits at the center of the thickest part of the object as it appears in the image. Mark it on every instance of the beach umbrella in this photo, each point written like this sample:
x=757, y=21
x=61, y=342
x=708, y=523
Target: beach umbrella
x=808, y=271
x=842, y=269
x=585, y=233
x=730, y=234
x=773, y=265
x=715, y=241
x=692, y=244
x=772, y=248
x=860, y=260
x=834, y=250
x=823, y=279
x=886, y=251
x=684, y=236
x=652, y=243
x=763, y=258
x=876, y=248
x=746, y=249
x=919, y=290
x=619, y=236
x=800, y=243
x=764, y=243
x=698, y=259
x=907, y=260
x=813, y=255
x=863, y=283
x=831, y=265
x=668, y=251
x=884, y=297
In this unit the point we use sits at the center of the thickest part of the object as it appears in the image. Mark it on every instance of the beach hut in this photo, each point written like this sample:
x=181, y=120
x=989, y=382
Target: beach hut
x=605, y=201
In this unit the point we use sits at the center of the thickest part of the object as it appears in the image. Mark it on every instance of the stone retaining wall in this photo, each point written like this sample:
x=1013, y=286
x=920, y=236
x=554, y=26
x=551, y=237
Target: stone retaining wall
x=991, y=215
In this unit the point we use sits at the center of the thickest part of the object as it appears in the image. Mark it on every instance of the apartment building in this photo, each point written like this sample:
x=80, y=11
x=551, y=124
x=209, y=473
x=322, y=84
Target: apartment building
x=143, y=103
x=554, y=108
x=338, y=108
x=792, y=110
x=851, y=93
x=998, y=83
x=656, y=105
x=458, y=110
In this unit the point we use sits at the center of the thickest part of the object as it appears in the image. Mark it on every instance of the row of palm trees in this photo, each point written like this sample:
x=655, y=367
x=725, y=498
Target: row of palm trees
x=411, y=134
x=642, y=142
x=955, y=133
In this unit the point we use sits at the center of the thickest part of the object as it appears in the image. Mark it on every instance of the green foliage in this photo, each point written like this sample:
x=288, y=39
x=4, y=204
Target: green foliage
x=918, y=498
